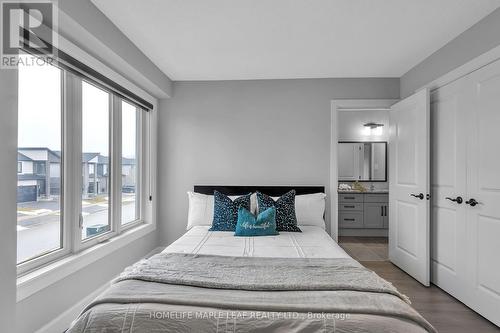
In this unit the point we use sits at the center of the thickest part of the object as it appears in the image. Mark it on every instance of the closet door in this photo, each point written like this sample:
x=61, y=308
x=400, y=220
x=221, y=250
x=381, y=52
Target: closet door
x=483, y=218
x=449, y=108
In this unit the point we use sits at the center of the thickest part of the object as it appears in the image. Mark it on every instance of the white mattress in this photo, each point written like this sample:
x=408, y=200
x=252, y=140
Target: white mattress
x=312, y=242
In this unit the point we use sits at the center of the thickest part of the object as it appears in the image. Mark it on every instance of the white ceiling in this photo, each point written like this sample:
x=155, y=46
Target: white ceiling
x=274, y=39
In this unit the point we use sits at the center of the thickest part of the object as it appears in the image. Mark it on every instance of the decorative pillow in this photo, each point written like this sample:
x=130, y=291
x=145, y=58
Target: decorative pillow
x=262, y=225
x=201, y=208
x=285, y=210
x=226, y=211
x=310, y=209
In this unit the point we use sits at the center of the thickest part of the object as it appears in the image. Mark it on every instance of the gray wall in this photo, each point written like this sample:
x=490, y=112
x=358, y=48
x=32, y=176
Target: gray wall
x=263, y=132
x=8, y=185
x=480, y=38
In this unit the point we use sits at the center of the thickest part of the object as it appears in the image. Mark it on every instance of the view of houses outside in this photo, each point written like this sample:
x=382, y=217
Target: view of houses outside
x=38, y=196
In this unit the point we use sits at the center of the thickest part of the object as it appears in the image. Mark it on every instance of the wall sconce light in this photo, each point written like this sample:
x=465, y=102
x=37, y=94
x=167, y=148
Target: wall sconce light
x=373, y=129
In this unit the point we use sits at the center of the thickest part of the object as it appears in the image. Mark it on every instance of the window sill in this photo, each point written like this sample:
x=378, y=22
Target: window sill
x=43, y=277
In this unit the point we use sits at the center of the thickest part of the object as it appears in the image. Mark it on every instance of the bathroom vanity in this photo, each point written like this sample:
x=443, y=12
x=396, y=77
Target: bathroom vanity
x=363, y=213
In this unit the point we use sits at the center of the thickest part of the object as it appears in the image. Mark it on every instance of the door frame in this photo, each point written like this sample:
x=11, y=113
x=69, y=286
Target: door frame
x=337, y=106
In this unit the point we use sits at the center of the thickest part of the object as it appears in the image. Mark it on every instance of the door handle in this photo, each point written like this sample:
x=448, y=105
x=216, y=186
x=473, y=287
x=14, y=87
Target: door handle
x=458, y=200
x=472, y=202
x=420, y=196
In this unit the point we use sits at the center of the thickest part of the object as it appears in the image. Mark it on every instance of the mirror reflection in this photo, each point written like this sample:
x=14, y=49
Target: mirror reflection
x=362, y=161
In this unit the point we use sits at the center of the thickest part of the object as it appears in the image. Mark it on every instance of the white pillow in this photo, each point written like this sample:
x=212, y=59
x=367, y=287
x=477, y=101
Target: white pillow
x=310, y=209
x=201, y=208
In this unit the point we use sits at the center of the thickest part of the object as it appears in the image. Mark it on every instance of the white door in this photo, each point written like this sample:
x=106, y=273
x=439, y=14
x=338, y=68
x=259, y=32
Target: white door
x=483, y=182
x=409, y=186
x=449, y=108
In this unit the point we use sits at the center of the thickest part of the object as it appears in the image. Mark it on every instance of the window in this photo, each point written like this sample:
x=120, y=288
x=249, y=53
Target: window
x=130, y=204
x=39, y=223
x=95, y=154
x=79, y=164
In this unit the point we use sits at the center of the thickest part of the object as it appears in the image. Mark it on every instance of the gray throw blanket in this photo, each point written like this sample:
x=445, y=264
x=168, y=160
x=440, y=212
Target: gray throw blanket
x=260, y=284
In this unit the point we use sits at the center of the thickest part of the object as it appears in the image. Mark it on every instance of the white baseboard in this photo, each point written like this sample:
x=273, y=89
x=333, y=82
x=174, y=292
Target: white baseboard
x=64, y=320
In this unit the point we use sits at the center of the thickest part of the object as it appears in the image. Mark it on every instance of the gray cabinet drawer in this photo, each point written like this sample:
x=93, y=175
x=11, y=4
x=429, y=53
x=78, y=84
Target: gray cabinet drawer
x=351, y=219
x=376, y=197
x=348, y=206
x=350, y=197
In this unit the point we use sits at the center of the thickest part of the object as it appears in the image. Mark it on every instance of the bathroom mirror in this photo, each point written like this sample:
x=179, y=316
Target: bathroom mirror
x=362, y=161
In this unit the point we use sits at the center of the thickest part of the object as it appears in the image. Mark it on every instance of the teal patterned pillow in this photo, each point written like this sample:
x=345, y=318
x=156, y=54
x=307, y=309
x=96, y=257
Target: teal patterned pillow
x=226, y=211
x=262, y=225
x=285, y=210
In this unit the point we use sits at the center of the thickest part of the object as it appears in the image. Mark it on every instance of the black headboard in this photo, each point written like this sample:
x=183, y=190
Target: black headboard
x=274, y=191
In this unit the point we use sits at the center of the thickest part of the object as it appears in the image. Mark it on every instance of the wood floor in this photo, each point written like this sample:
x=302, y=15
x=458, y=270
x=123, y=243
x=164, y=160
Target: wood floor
x=444, y=312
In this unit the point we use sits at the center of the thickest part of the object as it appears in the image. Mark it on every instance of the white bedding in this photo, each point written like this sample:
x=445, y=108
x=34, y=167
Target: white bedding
x=312, y=242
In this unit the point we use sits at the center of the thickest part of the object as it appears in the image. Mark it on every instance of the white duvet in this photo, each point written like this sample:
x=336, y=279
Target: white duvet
x=312, y=242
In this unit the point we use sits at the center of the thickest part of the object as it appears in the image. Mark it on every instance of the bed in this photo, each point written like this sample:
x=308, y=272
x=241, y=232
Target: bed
x=210, y=281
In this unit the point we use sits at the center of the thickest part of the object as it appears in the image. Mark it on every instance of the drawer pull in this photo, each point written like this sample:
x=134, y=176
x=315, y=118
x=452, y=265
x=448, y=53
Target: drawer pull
x=349, y=206
x=349, y=220
x=350, y=198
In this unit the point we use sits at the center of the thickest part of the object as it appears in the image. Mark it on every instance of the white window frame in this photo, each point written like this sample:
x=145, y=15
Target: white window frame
x=71, y=168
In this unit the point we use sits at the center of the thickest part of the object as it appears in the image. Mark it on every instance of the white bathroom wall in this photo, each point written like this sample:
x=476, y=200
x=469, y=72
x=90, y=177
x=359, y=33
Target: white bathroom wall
x=351, y=125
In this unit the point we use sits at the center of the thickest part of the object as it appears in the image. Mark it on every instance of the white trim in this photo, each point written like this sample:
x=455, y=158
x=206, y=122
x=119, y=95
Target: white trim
x=43, y=277
x=64, y=320
x=481, y=61
x=116, y=175
x=337, y=106
x=363, y=104
x=360, y=109
x=334, y=230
